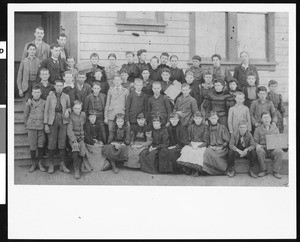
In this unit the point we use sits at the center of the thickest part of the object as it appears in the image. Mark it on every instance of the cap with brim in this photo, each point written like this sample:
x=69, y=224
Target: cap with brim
x=197, y=114
x=196, y=57
x=140, y=115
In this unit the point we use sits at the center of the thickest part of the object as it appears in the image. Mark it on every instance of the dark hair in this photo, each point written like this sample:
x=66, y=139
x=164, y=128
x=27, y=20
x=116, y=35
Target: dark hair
x=98, y=70
x=196, y=57
x=40, y=28
x=36, y=87
x=219, y=80
x=31, y=44
x=112, y=55
x=141, y=51
x=94, y=55
x=44, y=69
x=174, y=56
x=156, y=83
x=213, y=113
x=146, y=68
x=262, y=89
x=97, y=84
x=164, y=54
x=245, y=53
x=58, y=80
x=185, y=85
x=272, y=82
x=54, y=45
x=77, y=102
x=156, y=58
x=233, y=80
x=265, y=113
x=166, y=70
x=67, y=72
x=251, y=73
x=216, y=55
x=62, y=35
x=129, y=52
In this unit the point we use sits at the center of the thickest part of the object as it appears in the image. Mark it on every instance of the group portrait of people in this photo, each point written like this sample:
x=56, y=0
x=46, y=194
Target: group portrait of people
x=148, y=115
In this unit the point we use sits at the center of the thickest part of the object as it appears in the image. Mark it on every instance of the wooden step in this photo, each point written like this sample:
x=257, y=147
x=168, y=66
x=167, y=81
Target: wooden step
x=19, y=107
x=21, y=140
x=18, y=116
x=20, y=127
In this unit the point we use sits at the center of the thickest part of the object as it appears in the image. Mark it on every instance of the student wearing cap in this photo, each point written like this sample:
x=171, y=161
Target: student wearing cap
x=136, y=102
x=178, y=138
x=185, y=105
x=131, y=67
x=82, y=89
x=196, y=68
x=152, y=156
x=75, y=132
x=140, y=136
x=191, y=159
x=142, y=56
x=116, y=151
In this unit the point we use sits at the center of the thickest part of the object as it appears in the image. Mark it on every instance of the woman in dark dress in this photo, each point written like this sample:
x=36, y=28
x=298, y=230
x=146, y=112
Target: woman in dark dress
x=150, y=158
x=118, y=143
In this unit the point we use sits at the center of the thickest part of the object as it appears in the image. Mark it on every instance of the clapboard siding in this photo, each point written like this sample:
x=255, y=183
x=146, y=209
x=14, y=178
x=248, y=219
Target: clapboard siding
x=281, y=56
x=98, y=33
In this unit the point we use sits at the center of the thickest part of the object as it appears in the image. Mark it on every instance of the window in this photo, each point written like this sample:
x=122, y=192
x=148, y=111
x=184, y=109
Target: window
x=229, y=33
x=141, y=21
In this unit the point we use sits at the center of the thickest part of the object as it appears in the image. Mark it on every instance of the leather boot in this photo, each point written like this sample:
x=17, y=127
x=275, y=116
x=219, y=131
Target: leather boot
x=114, y=167
x=251, y=173
x=62, y=166
x=76, y=165
x=40, y=158
x=33, y=158
x=51, y=161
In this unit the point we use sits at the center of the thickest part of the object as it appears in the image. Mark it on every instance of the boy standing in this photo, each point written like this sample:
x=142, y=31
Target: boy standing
x=158, y=105
x=185, y=106
x=237, y=113
x=55, y=65
x=34, y=124
x=44, y=85
x=261, y=148
x=241, y=145
x=94, y=59
x=115, y=103
x=27, y=73
x=75, y=134
x=262, y=104
x=42, y=48
x=96, y=101
x=56, y=116
x=82, y=89
x=136, y=102
x=130, y=67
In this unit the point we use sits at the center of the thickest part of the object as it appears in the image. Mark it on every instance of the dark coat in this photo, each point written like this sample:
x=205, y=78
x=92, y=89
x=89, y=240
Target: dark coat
x=54, y=72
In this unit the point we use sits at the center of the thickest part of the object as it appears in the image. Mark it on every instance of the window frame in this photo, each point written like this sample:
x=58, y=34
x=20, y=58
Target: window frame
x=130, y=24
x=232, y=55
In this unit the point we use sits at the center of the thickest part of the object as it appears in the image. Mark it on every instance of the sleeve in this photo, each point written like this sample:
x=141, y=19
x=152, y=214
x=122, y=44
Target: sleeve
x=175, y=109
x=207, y=106
x=107, y=104
x=249, y=119
x=194, y=106
x=68, y=103
x=225, y=136
x=88, y=90
x=273, y=112
x=127, y=135
x=86, y=104
x=26, y=112
x=87, y=135
x=257, y=76
x=111, y=134
x=281, y=108
x=70, y=131
x=182, y=78
x=256, y=136
x=127, y=107
x=228, y=75
x=165, y=142
x=232, y=142
x=46, y=113
x=183, y=137
x=252, y=113
x=252, y=142
x=168, y=107
x=230, y=120
x=235, y=73
x=24, y=54
x=20, y=75
x=148, y=110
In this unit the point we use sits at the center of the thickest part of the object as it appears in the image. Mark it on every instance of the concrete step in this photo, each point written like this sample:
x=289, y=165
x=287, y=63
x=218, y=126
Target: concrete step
x=243, y=165
x=19, y=127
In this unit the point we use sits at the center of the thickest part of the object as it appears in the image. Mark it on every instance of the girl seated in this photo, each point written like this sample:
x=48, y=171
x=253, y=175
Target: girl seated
x=215, y=155
x=150, y=158
x=118, y=143
x=191, y=159
x=140, y=138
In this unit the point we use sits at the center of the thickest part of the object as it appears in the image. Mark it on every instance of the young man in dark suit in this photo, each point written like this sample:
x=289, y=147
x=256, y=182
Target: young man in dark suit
x=56, y=66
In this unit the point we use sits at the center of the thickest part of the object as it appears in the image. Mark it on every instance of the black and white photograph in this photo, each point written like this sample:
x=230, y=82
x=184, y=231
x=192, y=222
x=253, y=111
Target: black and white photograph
x=150, y=99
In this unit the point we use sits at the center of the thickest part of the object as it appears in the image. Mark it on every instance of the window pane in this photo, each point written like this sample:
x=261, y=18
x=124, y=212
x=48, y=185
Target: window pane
x=252, y=34
x=210, y=34
x=140, y=15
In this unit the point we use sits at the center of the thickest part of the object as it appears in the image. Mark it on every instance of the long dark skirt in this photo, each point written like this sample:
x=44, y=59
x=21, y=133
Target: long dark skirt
x=215, y=162
x=150, y=160
x=110, y=152
x=167, y=161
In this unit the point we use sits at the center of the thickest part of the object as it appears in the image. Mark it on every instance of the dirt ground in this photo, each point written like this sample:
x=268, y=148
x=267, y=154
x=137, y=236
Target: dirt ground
x=137, y=177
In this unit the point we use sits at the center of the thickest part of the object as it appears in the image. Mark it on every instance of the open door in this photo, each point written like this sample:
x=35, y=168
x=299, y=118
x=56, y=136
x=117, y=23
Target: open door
x=25, y=25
